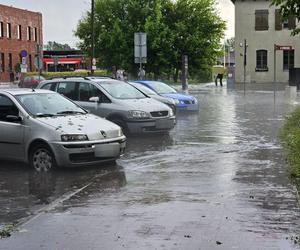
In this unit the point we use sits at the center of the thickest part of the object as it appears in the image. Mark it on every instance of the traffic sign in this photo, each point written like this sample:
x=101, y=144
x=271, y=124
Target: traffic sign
x=23, y=53
x=23, y=68
x=23, y=60
x=94, y=61
x=140, y=47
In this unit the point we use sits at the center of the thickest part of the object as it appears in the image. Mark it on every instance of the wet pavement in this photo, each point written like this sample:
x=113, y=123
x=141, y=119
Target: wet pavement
x=217, y=181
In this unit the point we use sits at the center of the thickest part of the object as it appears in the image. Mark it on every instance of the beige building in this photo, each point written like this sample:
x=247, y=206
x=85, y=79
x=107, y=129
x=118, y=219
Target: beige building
x=261, y=25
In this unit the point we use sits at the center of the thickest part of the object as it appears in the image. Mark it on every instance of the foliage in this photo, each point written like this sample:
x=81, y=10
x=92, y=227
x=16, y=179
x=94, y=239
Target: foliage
x=290, y=137
x=6, y=231
x=17, y=67
x=57, y=46
x=174, y=28
x=289, y=8
x=68, y=73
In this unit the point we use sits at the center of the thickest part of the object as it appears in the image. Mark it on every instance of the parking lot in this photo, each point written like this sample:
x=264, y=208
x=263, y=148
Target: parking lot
x=217, y=181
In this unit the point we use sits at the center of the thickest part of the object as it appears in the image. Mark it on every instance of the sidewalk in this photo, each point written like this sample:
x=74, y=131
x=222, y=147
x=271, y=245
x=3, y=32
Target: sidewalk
x=8, y=85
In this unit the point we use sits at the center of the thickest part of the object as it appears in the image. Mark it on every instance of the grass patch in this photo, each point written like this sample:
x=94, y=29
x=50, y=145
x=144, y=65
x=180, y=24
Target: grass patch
x=290, y=138
x=6, y=231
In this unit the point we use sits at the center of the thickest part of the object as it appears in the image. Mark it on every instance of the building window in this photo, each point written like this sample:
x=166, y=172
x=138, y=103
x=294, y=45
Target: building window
x=2, y=60
x=8, y=30
x=288, y=59
x=1, y=29
x=19, y=32
x=35, y=34
x=10, y=62
x=28, y=33
x=261, y=20
x=30, y=63
x=280, y=24
x=261, y=60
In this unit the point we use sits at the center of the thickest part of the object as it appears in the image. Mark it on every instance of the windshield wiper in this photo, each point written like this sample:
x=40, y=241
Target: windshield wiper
x=44, y=115
x=69, y=112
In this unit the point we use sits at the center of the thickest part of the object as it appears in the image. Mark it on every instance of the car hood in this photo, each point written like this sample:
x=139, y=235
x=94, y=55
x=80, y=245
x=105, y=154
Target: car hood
x=145, y=104
x=88, y=124
x=178, y=96
x=163, y=99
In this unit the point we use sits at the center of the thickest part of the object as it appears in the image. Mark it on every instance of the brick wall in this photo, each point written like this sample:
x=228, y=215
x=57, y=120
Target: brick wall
x=11, y=46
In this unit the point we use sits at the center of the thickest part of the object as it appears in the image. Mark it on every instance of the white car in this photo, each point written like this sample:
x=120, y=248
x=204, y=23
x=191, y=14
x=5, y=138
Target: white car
x=45, y=129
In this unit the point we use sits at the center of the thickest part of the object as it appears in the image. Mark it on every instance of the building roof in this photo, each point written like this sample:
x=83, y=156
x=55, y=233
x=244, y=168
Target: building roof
x=18, y=9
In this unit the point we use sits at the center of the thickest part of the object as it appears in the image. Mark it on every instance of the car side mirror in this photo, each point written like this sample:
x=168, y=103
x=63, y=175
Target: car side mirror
x=13, y=118
x=94, y=99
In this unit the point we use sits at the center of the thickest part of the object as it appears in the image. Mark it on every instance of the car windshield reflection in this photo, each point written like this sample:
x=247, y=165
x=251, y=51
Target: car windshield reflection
x=48, y=104
x=121, y=90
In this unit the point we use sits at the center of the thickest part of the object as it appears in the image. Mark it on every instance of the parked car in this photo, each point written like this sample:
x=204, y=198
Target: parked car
x=45, y=129
x=185, y=101
x=117, y=101
x=30, y=81
x=149, y=92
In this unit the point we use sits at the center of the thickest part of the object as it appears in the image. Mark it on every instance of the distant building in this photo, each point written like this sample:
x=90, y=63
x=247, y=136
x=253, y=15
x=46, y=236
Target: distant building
x=20, y=30
x=261, y=25
x=68, y=60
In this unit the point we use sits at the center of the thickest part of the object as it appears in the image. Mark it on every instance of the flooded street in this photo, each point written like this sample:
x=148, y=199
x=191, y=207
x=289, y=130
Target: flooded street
x=217, y=181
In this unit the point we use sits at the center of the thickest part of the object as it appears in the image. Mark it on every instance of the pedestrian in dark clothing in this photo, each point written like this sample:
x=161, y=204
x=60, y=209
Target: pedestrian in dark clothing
x=219, y=76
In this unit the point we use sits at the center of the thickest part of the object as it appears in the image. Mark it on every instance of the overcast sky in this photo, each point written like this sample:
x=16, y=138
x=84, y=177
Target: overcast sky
x=60, y=17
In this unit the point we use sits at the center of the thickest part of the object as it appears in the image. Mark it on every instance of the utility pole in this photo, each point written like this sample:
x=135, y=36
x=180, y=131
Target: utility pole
x=93, y=38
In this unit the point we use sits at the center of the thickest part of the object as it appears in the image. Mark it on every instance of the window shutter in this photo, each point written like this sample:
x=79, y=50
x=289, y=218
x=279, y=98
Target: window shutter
x=278, y=22
x=292, y=23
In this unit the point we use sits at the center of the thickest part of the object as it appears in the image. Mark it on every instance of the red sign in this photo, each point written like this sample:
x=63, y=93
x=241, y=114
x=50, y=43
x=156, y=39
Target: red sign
x=283, y=47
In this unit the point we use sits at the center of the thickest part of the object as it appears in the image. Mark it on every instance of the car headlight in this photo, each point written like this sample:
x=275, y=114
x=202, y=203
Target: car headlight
x=182, y=102
x=120, y=132
x=137, y=114
x=74, y=138
x=171, y=112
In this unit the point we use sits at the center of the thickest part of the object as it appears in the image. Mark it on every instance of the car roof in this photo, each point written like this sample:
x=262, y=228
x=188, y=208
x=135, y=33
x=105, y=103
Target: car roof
x=22, y=91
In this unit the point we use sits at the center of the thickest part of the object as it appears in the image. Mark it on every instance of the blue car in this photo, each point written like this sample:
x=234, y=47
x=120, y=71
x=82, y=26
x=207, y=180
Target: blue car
x=185, y=102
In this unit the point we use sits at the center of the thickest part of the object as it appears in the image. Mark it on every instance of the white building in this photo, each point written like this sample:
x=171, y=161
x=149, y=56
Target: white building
x=261, y=25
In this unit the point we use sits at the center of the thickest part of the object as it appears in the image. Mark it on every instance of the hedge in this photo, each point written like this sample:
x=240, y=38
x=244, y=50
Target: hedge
x=290, y=138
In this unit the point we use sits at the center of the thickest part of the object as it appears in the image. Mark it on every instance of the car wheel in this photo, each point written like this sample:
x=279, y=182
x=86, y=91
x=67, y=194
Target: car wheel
x=122, y=124
x=41, y=158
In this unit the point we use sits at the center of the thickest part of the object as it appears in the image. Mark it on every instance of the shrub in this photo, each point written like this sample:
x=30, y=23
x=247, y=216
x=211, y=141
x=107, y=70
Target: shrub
x=68, y=73
x=290, y=138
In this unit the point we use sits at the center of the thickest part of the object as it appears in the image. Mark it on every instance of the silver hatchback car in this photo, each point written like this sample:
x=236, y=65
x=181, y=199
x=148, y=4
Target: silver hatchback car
x=117, y=101
x=45, y=129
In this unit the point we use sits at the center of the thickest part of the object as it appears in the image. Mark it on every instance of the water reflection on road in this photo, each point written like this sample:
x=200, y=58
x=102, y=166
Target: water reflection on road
x=218, y=178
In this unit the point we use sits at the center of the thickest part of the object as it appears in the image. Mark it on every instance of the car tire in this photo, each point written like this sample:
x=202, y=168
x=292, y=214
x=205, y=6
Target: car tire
x=122, y=124
x=41, y=158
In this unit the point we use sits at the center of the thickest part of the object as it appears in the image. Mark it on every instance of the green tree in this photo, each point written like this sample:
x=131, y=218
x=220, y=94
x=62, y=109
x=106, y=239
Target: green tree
x=52, y=45
x=289, y=8
x=173, y=28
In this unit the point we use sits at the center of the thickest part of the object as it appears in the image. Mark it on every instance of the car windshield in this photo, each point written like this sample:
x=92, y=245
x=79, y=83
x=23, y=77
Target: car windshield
x=39, y=78
x=48, y=104
x=144, y=89
x=121, y=90
x=162, y=88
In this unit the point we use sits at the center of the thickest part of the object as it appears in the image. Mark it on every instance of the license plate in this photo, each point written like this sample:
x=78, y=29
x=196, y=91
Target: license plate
x=164, y=124
x=107, y=150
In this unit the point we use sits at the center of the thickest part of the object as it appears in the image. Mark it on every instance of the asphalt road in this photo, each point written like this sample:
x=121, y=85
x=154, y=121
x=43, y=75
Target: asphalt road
x=217, y=181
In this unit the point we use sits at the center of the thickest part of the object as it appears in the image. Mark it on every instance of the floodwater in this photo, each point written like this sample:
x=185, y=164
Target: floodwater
x=217, y=181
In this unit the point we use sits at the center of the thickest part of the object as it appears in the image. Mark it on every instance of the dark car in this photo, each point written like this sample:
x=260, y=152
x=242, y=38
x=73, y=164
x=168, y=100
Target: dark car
x=31, y=81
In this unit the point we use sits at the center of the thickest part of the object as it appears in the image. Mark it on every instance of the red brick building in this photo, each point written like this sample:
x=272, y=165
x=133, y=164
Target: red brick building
x=19, y=30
